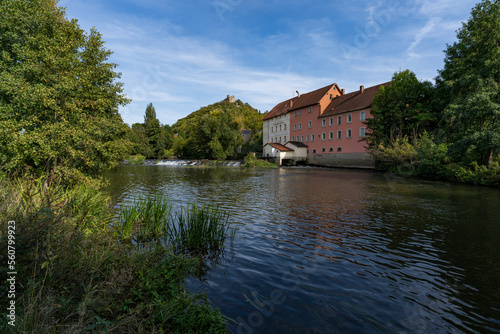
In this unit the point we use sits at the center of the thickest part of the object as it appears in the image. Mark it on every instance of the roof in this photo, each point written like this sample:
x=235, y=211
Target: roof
x=281, y=108
x=353, y=101
x=280, y=147
x=297, y=143
x=311, y=98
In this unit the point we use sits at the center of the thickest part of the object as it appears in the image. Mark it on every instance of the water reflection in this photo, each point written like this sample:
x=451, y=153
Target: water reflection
x=339, y=251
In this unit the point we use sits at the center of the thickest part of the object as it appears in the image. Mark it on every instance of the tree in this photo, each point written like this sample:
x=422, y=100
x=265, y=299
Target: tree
x=58, y=95
x=402, y=109
x=154, y=132
x=471, y=80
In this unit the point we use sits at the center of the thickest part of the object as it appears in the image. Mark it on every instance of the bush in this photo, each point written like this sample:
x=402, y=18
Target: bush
x=74, y=275
x=400, y=154
x=136, y=159
x=251, y=161
x=432, y=158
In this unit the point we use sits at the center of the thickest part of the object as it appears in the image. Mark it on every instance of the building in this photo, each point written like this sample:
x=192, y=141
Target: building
x=330, y=123
x=276, y=124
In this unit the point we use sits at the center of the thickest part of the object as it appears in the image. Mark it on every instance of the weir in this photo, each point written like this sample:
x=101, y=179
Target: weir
x=229, y=163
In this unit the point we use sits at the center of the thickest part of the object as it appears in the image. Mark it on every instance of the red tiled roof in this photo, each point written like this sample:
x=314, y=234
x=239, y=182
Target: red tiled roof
x=281, y=108
x=280, y=147
x=353, y=101
x=311, y=98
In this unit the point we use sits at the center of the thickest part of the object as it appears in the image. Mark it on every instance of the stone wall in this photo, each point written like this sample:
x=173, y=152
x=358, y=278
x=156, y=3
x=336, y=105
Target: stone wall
x=346, y=160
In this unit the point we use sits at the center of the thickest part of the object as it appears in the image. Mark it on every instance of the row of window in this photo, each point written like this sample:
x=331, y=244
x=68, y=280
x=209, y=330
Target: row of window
x=339, y=149
x=300, y=111
x=278, y=140
x=275, y=128
x=323, y=122
x=362, y=133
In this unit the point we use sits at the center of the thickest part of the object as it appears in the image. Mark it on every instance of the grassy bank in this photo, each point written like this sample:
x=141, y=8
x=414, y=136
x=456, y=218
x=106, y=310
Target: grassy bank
x=80, y=269
x=252, y=161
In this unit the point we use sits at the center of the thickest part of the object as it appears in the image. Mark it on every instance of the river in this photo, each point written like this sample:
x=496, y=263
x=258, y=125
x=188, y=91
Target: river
x=341, y=251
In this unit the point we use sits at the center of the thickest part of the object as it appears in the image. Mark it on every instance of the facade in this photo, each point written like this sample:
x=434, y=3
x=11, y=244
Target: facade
x=331, y=124
x=276, y=124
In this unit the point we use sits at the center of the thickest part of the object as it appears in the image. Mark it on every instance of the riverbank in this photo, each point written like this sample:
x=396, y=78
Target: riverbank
x=75, y=273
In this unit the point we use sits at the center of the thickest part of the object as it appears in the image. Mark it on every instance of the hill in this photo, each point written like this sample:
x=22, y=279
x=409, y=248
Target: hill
x=215, y=131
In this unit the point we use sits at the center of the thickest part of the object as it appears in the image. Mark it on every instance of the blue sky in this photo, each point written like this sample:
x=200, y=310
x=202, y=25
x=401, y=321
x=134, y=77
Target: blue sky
x=182, y=55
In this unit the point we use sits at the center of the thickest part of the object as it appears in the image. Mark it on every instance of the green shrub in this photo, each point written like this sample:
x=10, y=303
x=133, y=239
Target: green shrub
x=251, y=161
x=399, y=154
x=136, y=159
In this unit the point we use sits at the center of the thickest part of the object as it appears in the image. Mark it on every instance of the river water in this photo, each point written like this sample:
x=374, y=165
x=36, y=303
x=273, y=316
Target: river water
x=341, y=251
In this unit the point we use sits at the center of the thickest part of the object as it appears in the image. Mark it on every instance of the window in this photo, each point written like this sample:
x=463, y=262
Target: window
x=339, y=149
x=331, y=97
x=349, y=118
x=279, y=139
x=339, y=134
x=310, y=124
x=284, y=126
x=280, y=127
x=362, y=132
x=331, y=121
x=362, y=116
x=307, y=138
x=300, y=112
x=323, y=123
x=312, y=137
x=284, y=139
x=314, y=150
x=295, y=113
x=323, y=136
x=349, y=133
x=330, y=135
x=272, y=140
x=293, y=138
x=310, y=109
x=302, y=139
x=272, y=129
x=339, y=120
x=300, y=126
x=331, y=149
x=295, y=126
x=323, y=149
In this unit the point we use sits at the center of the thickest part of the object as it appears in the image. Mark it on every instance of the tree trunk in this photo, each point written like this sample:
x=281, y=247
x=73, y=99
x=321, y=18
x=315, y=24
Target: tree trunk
x=490, y=157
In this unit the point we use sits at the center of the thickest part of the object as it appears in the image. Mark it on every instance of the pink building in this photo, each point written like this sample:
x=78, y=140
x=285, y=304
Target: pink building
x=331, y=124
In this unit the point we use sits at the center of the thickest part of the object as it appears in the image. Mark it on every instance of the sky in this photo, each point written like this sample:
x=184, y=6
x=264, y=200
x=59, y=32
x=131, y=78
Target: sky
x=183, y=55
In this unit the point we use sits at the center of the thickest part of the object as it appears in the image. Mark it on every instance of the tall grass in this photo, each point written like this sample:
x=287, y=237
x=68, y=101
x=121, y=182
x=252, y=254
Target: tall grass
x=196, y=229
x=199, y=228
x=74, y=276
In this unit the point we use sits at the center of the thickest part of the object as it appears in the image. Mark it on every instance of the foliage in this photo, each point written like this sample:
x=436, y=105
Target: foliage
x=150, y=138
x=214, y=132
x=471, y=81
x=74, y=275
x=402, y=109
x=59, y=97
x=399, y=153
x=136, y=159
x=252, y=161
x=254, y=144
x=432, y=158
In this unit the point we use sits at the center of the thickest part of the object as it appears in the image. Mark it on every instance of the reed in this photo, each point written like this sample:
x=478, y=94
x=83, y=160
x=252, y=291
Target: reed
x=199, y=229
x=145, y=219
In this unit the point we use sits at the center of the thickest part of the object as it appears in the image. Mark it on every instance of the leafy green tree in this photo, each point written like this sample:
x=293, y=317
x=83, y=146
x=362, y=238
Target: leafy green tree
x=471, y=81
x=59, y=97
x=155, y=132
x=402, y=109
x=137, y=135
x=214, y=132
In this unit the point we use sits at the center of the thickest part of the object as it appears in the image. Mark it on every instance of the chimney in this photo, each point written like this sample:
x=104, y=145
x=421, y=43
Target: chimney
x=298, y=94
x=342, y=91
x=361, y=89
x=291, y=103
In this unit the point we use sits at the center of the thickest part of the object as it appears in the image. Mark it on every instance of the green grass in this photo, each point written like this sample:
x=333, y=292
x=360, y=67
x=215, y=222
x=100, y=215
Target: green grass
x=75, y=273
x=196, y=229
